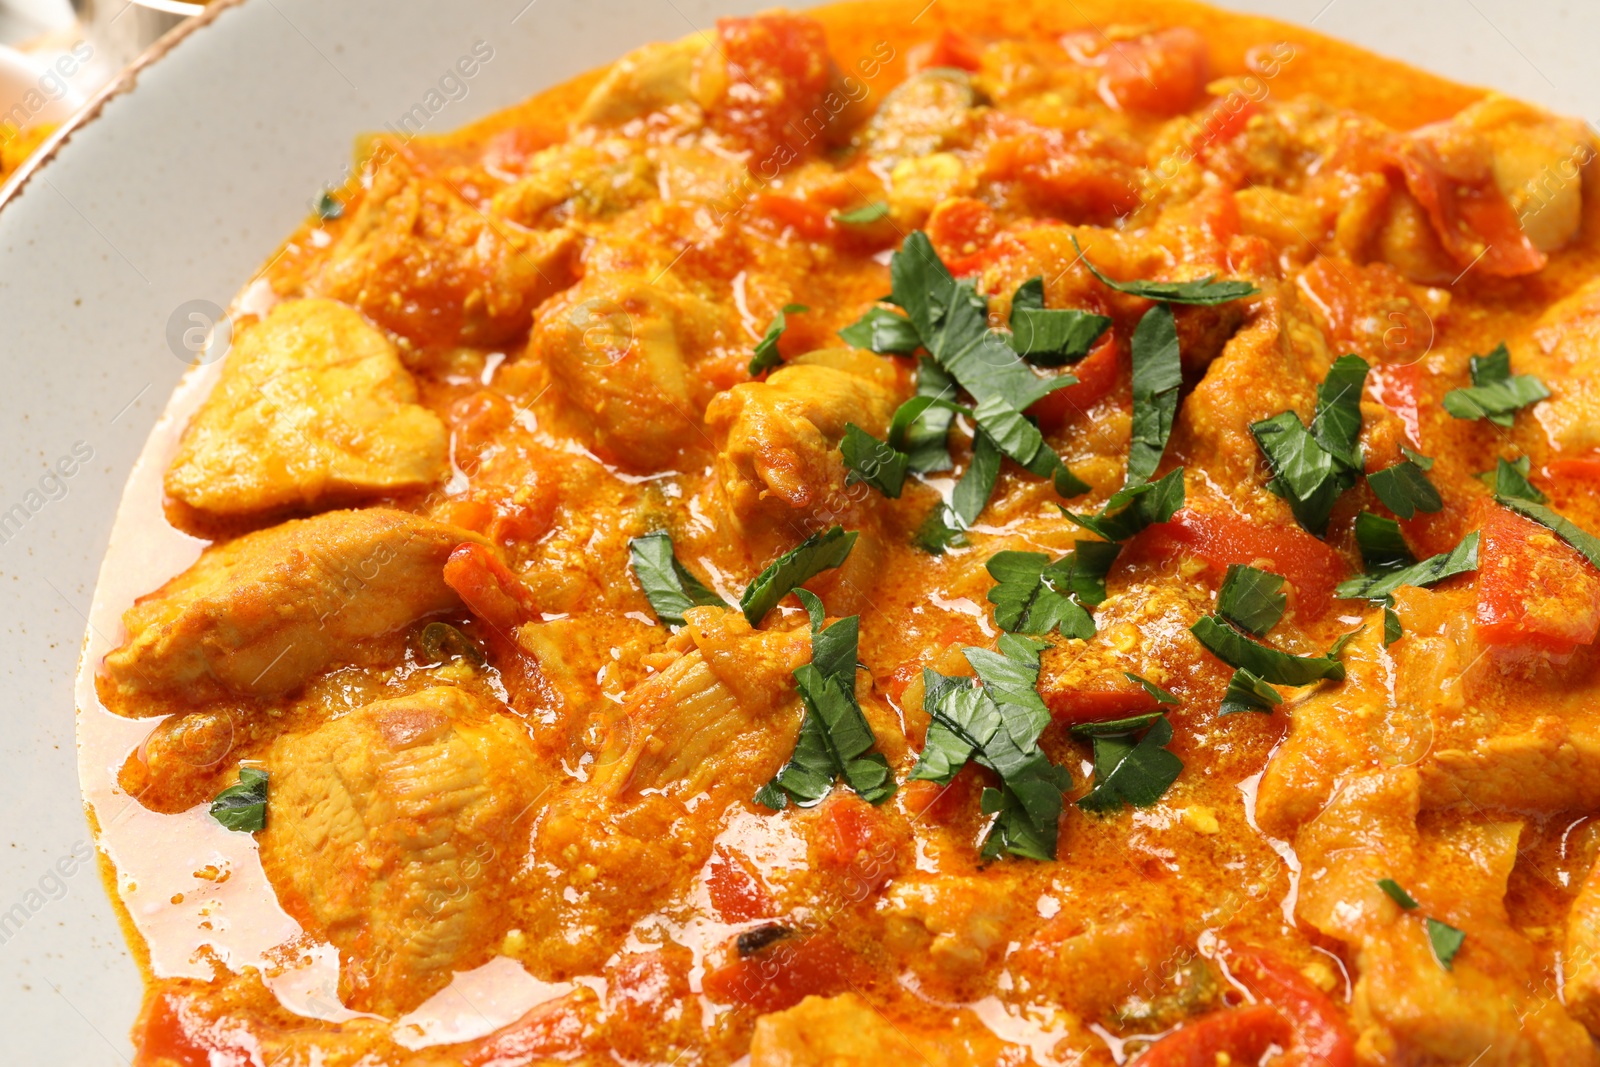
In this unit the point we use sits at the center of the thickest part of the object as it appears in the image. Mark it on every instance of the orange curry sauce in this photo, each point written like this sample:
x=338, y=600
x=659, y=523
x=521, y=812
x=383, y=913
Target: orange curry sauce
x=537, y=841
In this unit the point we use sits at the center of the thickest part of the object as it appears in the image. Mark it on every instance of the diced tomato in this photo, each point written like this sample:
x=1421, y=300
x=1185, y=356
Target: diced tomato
x=961, y=230
x=476, y=421
x=853, y=842
x=1397, y=386
x=1097, y=375
x=943, y=804
x=1222, y=538
x=1163, y=72
x=735, y=891
x=469, y=514
x=812, y=221
x=489, y=589
x=785, y=973
x=552, y=1029
x=1370, y=310
x=1233, y=1035
x=949, y=49
x=173, y=1031
x=1577, y=468
x=643, y=991
x=1475, y=222
x=1066, y=179
x=779, y=71
x=1534, y=589
x=1294, y=1015
x=1108, y=699
x=527, y=515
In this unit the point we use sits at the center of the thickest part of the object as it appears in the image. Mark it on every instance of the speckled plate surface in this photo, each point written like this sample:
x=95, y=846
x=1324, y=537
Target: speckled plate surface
x=162, y=201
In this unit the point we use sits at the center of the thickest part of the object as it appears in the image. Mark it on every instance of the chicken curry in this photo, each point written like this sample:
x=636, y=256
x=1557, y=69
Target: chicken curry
x=1029, y=533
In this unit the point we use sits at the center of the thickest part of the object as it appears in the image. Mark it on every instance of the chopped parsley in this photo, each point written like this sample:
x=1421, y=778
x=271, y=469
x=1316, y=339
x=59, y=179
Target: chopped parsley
x=1511, y=480
x=997, y=725
x=1397, y=894
x=667, y=584
x=1051, y=337
x=1380, y=584
x=440, y=642
x=1262, y=661
x=243, y=807
x=1496, y=394
x=1246, y=692
x=835, y=740
x=766, y=352
x=872, y=461
x=865, y=214
x=819, y=552
x=1201, y=291
x=1405, y=489
x=1035, y=596
x=329, y=207
x=1134, y=508
x=883, y=331
x=1129, y=771
x=1446, y=941
x=1157, y=375
x=1392, y=630
x=1250, y=599
x=1161, y=695
x=1383, y=546
x=1311, y=468
x=1570, y=532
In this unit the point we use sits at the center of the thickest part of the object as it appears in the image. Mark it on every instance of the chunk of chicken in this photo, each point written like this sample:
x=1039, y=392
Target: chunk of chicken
x=778, y=461
x=653, y=78
x=1581, y=959
x=257, y=616
x=313, y=407
x=390, y=831
x=846, y=1031
x=578, y=183
x=931, y=111
x=1539, y=160
x=957, y=923
x=619, y=350
x=1567, y=359
x=420, y=260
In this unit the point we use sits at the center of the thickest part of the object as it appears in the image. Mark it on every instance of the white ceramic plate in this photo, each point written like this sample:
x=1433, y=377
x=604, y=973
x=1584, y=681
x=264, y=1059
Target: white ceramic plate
x=182, y=182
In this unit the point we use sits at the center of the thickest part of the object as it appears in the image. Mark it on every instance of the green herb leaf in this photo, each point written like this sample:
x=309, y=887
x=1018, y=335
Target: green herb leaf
x=1446, y=941
x=871, y=461
x=1250, y=599
x=835, y=740
x=243, y=807
x=1396, y=893
x=1268, y=664
x=1304, y=473
x=669, y=587
x=1246, y=692
x=1201, y=291
x=1496, y=394
x=1425, y=462
x=883, y=331
x=972, y=492
x=1134, y=508
x=766, y=353
x=440, y=642
x=1161, y=695
x=865, y=214
x=1392, y=630
x=1459, y=560
x=1573, y=534
x=1405, y=489
x=998, y=726
x=1337, y=426
x=1157, y=375
x=1128, y=771
x=819, y=552
x=1383, y=547
x=1511, y=480
x=921, y=426
x=329, y=206
x=1051, y=337
x=1035, y=596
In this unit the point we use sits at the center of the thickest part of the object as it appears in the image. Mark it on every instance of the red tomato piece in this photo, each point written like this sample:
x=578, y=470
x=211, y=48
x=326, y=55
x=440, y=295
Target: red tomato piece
x=735, y=891
x=1397, y=387
x=173, y=1031
x=1242, y=1035
x=1222, y=538
x=1534, y=589
x=785, y=973
x=554, y=1028
x=1578, y=468
x=961, y=230
x=1370, y=310
x=949, y=49
x=1067, y=181
x=1163, y=72
x=1111, y=699
x=1097, y=375
x=853, y=841
x=943, y=804
x=489, y=589
x=1475, y=222
x=779, y=71
x=1322, y=1037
